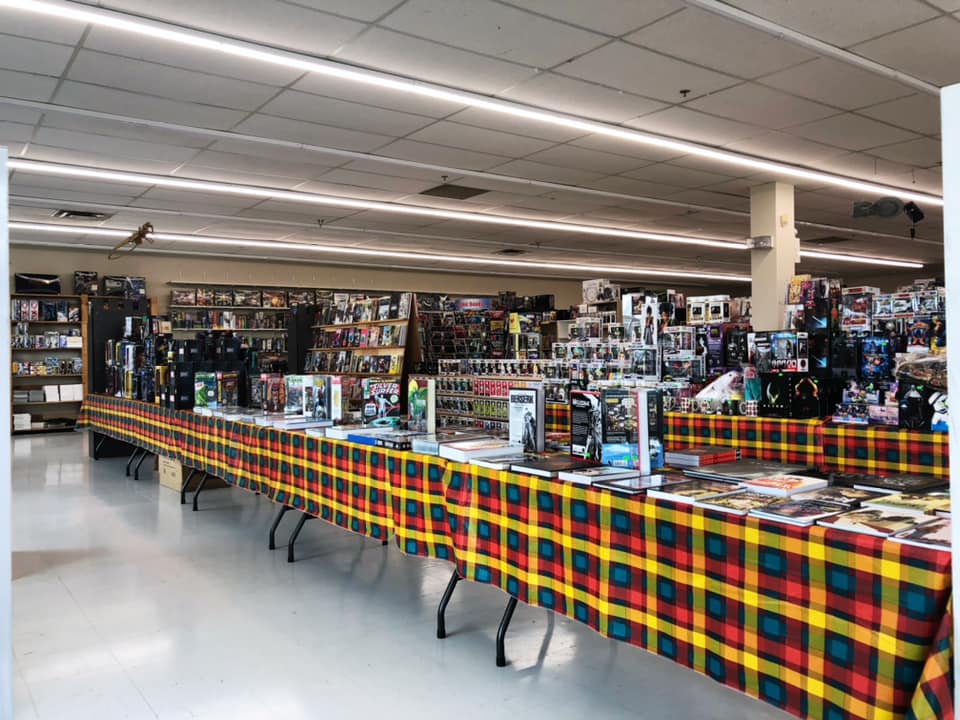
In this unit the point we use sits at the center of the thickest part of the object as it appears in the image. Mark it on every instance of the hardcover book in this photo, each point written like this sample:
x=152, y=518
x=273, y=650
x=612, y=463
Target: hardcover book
x=381, y=402
x=917, y=503
x=744, y=470
x=873, y=521
x=797, y=512
x=783, y=485
x=501, y=462
x=465, y=450
x=619, y=448
x=698, y=456
x=526, y=419
x=422, y=404
x=588, y=476
x=551, y=465
x=640, y=483
x=739, y=503
x=846, y=497
x=399, y=440
x=430, y=444
x=935, y=534
x=586, y=425
x=692, y=490
x=293, y=392
x=902, y=483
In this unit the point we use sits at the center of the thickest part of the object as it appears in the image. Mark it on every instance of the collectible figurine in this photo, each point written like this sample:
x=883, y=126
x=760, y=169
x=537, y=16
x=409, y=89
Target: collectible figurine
x=938, y=335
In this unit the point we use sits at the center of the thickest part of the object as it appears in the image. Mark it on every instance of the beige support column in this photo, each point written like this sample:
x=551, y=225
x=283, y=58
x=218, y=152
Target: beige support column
x=771, y=216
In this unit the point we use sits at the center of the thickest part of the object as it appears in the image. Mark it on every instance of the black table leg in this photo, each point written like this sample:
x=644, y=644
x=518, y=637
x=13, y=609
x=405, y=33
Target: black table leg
x=502, y=631
x=276, y=523
x=133, y=456
x=196, y=494
x=444, y=601
x=136, y=469
x=96, y=448
x=185, y=484
x=293, y=536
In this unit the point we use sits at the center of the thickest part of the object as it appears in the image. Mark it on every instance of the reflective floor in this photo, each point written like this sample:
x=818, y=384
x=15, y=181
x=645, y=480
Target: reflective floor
x=127, y=605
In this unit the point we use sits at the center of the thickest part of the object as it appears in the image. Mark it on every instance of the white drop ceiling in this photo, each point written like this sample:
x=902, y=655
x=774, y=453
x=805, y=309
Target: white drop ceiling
x=658, y=65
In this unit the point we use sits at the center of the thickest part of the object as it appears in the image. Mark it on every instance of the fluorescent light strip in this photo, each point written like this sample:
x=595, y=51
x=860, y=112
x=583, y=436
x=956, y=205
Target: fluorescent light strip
x=866, y=260
x=366, y=252
x=251, y=51
x=44, y=168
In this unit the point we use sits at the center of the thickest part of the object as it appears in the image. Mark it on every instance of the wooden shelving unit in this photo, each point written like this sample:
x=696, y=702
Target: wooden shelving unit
x=55, y=410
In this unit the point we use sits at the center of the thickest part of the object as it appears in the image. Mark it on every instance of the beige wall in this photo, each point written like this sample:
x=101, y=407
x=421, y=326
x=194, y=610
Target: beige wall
x=159, y=269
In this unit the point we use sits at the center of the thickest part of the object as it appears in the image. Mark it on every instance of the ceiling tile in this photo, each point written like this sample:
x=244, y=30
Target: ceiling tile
x=266, y=21
x=175, y=83
x=97, y=159
x=930, y=51
x=866, y=167
x=41, y=27
x=840, y=23
x=480, y=140
x=946, y=5
x=111, y=146
x=919, y=113
x=576, y=97
x=547, y=173
x=130, y=131
x=714, y=199
x=34, y=56
x=622, y=147
x=344, y=190
x=614, y=17
x=255, y=153
x=366, y=10
x=788, y=148
x=87, y=196
x=517, y=126
x=725, y=45
x=15, y=132
x=13, y=148
x=626, y=67
x=851, y=132
x=259, y=165
x=13, y=113
x=759, y=105
x=338, y=113
x=121, y=102
x=201, y=172
x=633, y=186
x=395, y=53
x=692, y=125
x=440, y=155
x=402, y=185
x=492, y=29
x=836, y=83
x=918, y=153
x=677, y=176
x=374, y=96
x=140, y=47
x=311, y=133
x=577, y=158
x=402, y=171
x=53, y=183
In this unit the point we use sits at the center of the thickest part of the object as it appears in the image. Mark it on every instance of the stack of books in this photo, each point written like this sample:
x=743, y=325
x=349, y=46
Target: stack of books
x=700, y=456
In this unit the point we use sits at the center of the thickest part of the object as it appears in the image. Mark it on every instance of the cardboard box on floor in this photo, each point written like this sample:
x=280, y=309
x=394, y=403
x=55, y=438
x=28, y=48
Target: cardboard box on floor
x=172, y=474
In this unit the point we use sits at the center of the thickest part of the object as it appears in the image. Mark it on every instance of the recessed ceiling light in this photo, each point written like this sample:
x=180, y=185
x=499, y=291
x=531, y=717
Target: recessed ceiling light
x=252, y=51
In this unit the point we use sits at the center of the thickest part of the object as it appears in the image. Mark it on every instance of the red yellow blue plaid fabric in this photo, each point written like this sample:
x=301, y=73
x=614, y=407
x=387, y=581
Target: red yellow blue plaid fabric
x=787, y=441
x=821, y=623
x=557, y=418
x=885, y=450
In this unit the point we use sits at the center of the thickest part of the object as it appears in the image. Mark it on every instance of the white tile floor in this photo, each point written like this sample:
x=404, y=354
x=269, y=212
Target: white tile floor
x=127, y=605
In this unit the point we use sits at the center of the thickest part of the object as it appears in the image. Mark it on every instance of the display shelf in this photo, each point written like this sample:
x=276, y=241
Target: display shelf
x=48, y=296
x=47, y=402
x=366, y=347
x=56, y=349
x=46, y=322
x=252, y=308
x=354, y=374
x=227, y=329
x=361, y=323
x=47, y=377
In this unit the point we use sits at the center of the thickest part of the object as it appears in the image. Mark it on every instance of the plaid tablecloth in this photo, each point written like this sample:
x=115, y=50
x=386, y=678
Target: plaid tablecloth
x=821, y=623
x=788, y=441
x=885, y=450
x=557, y=418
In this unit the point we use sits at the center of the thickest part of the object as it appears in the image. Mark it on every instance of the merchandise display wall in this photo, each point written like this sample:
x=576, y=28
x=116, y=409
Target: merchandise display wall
x=823, y=624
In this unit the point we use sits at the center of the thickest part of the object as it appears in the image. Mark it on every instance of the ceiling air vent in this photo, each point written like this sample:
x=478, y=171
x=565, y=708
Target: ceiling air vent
x=81, y=215
x=453, y=192
x=510, y=252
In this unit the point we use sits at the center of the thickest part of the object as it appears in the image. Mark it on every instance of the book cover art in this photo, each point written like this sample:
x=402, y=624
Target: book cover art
x=293, y=389
x=586, y=425
x=738, y=503
x=872, y=521
x=205, y=390
x=183, y=297
x=747, y=469
x=421, y=404
x=228, y=389
x=798, y=512
x=934, y=535
x=526, y=419
x=902, y=483
x=274, y=298
x=588, y=476
x=692, y=490
x=205, y=296
x=846, y=497
x=383, y=308
x=247, y=298
x=551, y=465
x=919, y=503
x=784, y=484
x=223, y=298
x=381, y=401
